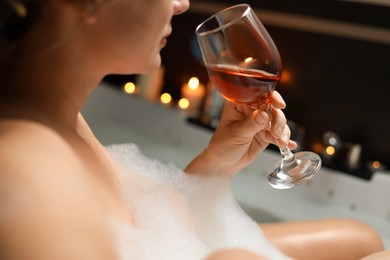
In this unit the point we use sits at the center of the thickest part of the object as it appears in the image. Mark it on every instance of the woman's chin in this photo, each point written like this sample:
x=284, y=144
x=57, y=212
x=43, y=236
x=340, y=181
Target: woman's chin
x=142, y=67
x=150, y=69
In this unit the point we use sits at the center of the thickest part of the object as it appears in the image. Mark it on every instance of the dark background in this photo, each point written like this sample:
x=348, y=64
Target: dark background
x=337, y=83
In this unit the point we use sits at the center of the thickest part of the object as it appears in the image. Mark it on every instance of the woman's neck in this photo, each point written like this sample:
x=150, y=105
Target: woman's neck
x=54, y=86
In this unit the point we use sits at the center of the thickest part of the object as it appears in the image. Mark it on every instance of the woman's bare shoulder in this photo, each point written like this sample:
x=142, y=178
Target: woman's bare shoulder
x=24, y=130
x=12, y=130
x=35, y=157
x=45, y=195
x=30, y=146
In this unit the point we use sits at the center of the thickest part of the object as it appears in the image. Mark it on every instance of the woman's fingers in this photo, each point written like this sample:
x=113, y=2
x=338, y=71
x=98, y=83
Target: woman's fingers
x=277, y=100
x=282, y=143
x=257, y=122
x=278, y=123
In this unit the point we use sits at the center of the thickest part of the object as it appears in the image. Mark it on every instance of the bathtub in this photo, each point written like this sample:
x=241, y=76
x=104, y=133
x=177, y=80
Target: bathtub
x=162, y=132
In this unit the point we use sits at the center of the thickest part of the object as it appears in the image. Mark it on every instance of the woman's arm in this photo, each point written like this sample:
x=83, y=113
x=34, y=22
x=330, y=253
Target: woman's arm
x=342, y=239
x=235, y=254
x=324, y=239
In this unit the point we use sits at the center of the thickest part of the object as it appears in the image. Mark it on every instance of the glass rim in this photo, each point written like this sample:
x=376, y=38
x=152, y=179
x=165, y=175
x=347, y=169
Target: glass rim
x=219, y=28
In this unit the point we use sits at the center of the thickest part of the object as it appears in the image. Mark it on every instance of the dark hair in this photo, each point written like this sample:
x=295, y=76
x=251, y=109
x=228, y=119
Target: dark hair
x=17, y=17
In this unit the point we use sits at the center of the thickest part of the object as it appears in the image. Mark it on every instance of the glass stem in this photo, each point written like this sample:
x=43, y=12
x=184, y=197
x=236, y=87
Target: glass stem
x=287, y=155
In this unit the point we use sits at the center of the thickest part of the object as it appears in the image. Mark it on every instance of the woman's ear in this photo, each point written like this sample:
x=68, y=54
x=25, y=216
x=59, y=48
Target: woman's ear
x=87, y=9
x=92, y=7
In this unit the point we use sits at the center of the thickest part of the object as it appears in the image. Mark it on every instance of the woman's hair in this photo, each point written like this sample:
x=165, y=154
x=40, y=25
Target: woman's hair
x=16, y=17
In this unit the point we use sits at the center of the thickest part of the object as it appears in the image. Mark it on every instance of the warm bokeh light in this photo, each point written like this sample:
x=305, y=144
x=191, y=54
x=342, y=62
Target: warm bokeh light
x=193, y=83
x=183, y=103
x=376, y=164
x=317, y=147
x=286, y=77
x=20, y=8
x=330, y=150
x=166, y=98
x=130, y=88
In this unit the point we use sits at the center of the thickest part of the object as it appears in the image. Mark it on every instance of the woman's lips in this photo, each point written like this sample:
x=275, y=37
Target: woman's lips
x=163, y=42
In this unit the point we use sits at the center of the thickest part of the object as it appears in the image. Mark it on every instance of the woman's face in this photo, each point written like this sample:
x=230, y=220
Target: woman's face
x=129, y=34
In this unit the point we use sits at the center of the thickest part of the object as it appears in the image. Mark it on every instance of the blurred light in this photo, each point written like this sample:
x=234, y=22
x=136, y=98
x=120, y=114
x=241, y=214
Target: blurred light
x=332, y=141
x=286, y=77
x=249, y=59
x=330, y=150
x=354, y=155
x=331, y=138
x=317, y=147
x=130, y=88
x=166, y=98
x=193, y=83
x=183, y=103
x=19, y=8
x=376, y=165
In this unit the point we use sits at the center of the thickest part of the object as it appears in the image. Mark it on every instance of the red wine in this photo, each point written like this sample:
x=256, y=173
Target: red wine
x=244, y=86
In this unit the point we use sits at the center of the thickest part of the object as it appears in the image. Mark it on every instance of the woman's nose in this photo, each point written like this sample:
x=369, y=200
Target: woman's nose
x=180, y=6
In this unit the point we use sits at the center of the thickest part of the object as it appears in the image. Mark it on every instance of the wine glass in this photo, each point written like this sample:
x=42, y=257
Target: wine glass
x=244, y=64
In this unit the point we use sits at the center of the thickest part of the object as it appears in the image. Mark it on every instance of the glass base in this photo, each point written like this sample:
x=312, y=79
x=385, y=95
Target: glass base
x=289, y=174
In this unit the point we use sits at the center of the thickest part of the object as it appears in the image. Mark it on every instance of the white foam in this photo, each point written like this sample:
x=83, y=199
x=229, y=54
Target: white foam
x=179, y=216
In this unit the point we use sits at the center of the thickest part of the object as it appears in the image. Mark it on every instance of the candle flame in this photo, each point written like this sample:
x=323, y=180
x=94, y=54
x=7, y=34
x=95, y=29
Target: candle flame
x=129, y=88
x=330, y=150
x=193, y=83
x=166, y=98
x=376, y=164
x=184, y=103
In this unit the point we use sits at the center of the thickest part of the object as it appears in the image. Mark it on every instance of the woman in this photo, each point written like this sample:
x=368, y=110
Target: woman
x=54, y=53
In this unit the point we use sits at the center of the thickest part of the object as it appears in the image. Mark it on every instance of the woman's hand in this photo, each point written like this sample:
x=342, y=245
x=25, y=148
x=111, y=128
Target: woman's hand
x=242, y=133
